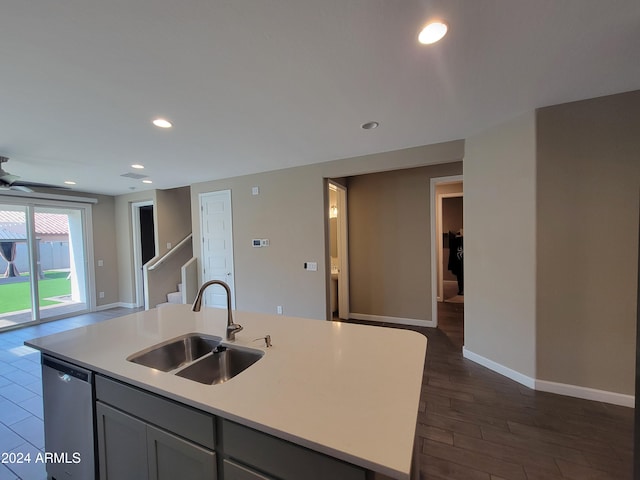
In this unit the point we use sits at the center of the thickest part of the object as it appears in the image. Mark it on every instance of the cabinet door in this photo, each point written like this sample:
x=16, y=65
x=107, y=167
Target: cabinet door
x=234, y=471
x=122, y=445
x=172, y=457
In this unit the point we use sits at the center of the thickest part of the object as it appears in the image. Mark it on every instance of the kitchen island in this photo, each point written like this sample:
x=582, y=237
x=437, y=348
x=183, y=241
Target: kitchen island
x=344, y=391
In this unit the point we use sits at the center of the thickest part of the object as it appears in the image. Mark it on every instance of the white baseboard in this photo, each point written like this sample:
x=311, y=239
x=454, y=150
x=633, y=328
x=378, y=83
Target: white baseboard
x=586, y=393
x=498, y=368
x=398, y=320
x=115, y=305
x=552, y=387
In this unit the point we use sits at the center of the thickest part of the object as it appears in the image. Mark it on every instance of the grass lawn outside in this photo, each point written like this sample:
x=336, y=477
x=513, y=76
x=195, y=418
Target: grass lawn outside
x=17, y=296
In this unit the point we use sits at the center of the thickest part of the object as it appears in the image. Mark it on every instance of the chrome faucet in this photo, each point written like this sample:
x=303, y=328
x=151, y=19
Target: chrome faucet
x=232, y=328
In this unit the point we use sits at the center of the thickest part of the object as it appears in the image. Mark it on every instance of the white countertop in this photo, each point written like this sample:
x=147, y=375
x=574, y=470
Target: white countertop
x=349, y=391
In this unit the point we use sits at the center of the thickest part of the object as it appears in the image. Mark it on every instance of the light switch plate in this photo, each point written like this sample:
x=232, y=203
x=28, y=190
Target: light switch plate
x=255, y=191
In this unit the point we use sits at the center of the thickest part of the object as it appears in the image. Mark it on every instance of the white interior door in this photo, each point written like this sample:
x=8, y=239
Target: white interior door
x=217, y=246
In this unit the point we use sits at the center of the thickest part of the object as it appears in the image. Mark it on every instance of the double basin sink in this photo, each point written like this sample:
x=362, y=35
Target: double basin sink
x=198, y=357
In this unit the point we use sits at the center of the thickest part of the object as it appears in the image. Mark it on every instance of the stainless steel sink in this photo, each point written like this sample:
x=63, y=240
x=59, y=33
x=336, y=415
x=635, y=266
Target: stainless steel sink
x=223, y=364
x=201, y=358
x=177, y=352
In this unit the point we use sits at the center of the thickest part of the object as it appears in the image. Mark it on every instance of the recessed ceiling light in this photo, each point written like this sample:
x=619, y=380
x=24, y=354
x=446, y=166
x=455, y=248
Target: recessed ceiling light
x=147, y=181
x=162, y=123
x=137, y=165
x=69, y=182
x=433, y=32
x=369, y=125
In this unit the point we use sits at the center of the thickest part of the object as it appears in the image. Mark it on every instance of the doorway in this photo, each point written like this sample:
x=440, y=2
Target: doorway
x=447, y=195
x=144, y=243
x=338, y=271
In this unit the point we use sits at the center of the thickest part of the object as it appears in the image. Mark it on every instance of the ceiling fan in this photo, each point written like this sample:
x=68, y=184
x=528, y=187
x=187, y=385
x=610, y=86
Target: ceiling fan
x=13, y=182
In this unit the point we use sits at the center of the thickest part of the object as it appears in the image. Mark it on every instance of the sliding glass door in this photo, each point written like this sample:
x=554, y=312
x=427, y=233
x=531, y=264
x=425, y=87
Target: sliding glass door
x=61, y=261
x=43, y=262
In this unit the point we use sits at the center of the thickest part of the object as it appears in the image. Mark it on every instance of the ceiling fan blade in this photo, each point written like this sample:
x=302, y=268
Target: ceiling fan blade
x=7, y=177
x=20, y=188
x=36, y=185
x=13, y=181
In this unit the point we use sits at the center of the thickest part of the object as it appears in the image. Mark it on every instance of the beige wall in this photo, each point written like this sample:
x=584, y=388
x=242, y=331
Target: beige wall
x=104, y=248
x=587, y=214
x=290, y=211
x=390, y=241
x=172, y=216
x=500, y=255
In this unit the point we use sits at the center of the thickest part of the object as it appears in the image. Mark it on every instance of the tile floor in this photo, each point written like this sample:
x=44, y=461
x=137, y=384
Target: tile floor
x=21, y=427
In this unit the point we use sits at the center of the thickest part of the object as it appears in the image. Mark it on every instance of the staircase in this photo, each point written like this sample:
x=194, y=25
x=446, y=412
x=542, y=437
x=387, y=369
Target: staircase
x=176, y=267
x=173, y=297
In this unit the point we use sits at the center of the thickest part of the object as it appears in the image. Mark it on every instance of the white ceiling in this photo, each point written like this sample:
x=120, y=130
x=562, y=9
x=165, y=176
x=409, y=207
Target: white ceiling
x=257, y=85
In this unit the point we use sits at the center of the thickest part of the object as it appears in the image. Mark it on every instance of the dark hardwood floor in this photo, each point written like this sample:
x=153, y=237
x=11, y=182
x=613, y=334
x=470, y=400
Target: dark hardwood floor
x=475, y=424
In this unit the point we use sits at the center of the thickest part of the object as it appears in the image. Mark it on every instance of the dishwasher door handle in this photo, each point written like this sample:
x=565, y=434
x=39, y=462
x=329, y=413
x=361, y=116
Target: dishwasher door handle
x=65, y=377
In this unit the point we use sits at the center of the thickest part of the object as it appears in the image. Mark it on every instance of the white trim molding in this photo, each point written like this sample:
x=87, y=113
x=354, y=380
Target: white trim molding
x=586, y=393
x=115, y=305
x=398, y=320
x=498, y=368
x=576, y=391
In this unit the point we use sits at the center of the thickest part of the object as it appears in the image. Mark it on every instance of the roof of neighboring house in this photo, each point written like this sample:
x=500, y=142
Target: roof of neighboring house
x=8, y=235
x=13, y=223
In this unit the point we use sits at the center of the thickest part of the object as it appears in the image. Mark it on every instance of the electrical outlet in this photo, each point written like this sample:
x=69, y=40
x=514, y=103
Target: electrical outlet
x=101, y=294
x=168, y=245
x=101, y=263
x=279, y=309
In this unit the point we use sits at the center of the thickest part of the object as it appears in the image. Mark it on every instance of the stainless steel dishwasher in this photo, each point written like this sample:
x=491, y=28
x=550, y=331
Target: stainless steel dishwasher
x=67, y=393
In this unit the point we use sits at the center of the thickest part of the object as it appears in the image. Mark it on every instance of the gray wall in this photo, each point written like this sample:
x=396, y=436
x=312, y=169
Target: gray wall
x=390, y=241
x=556, y=299
x=500, y=281
x=292, y=211
x=105, y=235
x=588, y=178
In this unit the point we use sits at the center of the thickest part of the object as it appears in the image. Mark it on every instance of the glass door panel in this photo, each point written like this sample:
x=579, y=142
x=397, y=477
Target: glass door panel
x=61, y=261
x=15, y=271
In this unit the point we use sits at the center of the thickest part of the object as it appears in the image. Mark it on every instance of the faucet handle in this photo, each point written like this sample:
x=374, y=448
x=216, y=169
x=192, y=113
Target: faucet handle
x=232, y=330
x=267, y=340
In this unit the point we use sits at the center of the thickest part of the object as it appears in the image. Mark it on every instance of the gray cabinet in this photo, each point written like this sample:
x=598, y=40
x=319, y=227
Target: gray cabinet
x=171, y=457
x=235, y=471
x=122, y=445
x=134, y=441
x=145, y=436
x=279, y=458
